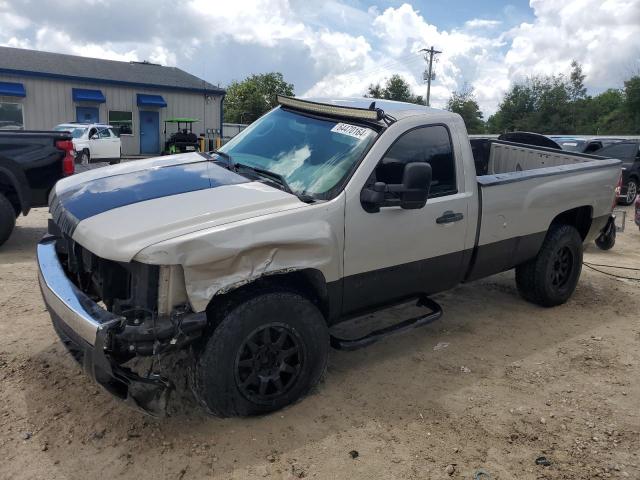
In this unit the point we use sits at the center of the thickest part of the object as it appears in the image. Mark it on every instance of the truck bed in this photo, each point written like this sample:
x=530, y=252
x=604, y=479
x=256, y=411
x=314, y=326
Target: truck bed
x=515, y=178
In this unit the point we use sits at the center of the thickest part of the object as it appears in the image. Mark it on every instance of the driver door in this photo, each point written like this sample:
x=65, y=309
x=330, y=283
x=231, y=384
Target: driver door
x=397, y=253
x=95, y=144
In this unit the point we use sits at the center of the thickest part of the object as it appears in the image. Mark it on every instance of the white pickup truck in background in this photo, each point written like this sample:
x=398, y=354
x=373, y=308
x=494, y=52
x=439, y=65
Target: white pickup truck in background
x=316, y=213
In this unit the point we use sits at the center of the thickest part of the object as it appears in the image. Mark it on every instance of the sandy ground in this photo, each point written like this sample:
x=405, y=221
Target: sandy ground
x=493, y=385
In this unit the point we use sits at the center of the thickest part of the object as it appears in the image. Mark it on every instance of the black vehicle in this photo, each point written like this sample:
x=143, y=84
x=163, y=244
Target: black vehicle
x=31, y=162
x=584, y=145
x=629, y=152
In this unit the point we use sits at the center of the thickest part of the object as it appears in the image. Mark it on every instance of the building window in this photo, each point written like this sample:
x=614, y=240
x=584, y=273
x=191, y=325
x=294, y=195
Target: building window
x=122, y=122
x=11, y=117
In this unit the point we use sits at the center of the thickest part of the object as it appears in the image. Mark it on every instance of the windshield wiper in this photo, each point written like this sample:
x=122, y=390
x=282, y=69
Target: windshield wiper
x=231, y=165
x=279, y=179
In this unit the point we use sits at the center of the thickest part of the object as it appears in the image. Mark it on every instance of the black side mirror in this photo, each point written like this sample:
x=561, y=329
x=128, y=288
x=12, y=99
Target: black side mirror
x=412, y=193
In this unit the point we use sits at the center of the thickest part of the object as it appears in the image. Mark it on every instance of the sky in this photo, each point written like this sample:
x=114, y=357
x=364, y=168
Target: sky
x=333, y=48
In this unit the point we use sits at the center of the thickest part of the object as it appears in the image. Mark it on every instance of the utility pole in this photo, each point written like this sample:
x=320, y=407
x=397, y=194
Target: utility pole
x=430, y=53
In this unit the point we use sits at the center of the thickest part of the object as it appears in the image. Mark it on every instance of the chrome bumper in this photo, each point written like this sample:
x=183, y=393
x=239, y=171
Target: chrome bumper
x=75, y=309
x=85, y=329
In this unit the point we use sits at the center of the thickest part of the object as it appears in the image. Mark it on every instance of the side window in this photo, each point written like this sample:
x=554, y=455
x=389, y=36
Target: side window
x=104, y=133
x=425, y=144
x=92, y=132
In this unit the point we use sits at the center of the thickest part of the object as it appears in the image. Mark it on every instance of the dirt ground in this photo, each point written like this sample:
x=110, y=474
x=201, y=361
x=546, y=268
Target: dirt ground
x=493, y=385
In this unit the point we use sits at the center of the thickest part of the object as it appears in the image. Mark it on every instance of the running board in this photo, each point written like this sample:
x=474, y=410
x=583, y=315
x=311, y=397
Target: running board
x=370, y=338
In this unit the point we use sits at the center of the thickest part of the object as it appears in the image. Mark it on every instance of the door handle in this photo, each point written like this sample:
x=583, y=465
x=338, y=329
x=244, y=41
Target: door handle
x=449, y=217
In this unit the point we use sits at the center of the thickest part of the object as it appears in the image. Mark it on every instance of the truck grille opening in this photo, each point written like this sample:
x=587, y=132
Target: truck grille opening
x=122, y=287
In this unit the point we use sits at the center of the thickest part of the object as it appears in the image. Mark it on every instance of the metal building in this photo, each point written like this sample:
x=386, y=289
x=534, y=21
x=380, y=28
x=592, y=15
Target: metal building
x=39, y=90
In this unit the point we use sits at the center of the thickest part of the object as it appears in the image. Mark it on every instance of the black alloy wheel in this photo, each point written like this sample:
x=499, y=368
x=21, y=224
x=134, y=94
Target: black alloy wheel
x=562, y=267
x=269, y=362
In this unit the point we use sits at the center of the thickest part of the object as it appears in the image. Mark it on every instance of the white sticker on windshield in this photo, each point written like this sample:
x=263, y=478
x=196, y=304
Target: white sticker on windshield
x=351, y=130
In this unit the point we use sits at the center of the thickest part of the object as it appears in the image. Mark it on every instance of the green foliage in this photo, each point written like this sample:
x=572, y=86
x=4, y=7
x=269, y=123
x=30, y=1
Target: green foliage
x=246, y=101
x=463, y=103
x=395, y=88
x=560, y=105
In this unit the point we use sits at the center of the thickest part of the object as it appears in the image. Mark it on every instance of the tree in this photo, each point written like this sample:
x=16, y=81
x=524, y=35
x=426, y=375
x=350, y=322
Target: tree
x=632, y=103
x=246, y=101
x=539, y=104
x=395, y=88
x=577, y=89
x=463, y=103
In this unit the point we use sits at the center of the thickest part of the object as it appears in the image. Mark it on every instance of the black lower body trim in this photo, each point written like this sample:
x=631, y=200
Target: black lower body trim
x=435, y=312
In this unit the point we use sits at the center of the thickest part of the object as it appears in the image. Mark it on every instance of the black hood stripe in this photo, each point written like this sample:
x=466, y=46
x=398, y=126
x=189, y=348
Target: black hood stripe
x=107, y=193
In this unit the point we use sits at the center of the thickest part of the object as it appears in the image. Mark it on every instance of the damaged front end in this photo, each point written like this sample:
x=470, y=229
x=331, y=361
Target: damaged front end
x=107, y=313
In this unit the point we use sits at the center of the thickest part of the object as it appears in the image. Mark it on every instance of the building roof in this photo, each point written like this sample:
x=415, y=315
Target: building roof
x=18, y=61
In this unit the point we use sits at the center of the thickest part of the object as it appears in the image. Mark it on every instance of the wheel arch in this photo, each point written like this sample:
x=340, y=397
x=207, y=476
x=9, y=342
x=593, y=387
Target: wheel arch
x=309, y=282
x=579, y=217
x=15, y=189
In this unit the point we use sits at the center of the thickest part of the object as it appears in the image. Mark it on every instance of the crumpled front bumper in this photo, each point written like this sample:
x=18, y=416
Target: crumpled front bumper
x=85, y=329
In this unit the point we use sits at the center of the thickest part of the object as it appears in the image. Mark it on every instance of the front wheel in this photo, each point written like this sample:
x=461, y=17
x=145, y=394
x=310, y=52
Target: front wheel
x=551, y=277
x=267, y=352
x=632, y=192
x=84, y=157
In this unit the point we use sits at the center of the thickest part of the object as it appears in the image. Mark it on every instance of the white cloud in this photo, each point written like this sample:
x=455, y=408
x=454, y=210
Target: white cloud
x=602, y=35
x=61, y=42
x=344, y=47
x=482, y=23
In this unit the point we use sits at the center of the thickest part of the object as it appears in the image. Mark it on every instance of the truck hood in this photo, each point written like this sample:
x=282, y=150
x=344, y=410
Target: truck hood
x=117, y=211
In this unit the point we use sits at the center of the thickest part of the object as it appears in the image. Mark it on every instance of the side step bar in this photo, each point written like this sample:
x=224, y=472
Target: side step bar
x=435, y=312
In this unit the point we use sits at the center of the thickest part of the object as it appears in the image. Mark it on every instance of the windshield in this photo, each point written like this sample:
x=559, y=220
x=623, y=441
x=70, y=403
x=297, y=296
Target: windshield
x=312, y=155
x=76, y=132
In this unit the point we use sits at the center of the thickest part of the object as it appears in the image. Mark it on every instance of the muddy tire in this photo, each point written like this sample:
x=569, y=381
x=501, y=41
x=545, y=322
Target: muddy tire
x=7, y=219
x=551, y=277
x=267, y=352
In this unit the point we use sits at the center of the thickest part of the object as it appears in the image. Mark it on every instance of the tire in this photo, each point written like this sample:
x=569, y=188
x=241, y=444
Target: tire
x=7, y=219
x=85, y=157
x=241, y=370
x=606, y=242
x=550, y=278
x=632, y=192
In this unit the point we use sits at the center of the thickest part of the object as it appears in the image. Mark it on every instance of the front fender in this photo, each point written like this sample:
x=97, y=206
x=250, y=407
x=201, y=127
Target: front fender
x=218, y=260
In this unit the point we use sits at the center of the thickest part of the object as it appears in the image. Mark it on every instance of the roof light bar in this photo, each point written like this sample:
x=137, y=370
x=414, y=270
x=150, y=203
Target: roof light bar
x=340, y=111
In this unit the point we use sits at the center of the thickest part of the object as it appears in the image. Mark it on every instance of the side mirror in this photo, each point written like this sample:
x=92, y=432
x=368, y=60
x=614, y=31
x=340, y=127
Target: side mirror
x=94, y=136
x=411, y=194
x=416, y=183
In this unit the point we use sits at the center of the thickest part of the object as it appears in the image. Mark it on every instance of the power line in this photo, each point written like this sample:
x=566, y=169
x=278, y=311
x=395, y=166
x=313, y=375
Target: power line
x=430, y=53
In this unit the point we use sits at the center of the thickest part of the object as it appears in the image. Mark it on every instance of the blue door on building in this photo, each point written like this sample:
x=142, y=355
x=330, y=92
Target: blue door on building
x=149, y=132
x=87, y=114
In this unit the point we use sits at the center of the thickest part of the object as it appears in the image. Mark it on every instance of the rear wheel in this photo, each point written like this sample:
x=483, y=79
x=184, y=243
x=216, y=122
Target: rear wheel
x=85, y=158
x=7, y=219
x=632, y=192
x=266, y=353
x=551, y=277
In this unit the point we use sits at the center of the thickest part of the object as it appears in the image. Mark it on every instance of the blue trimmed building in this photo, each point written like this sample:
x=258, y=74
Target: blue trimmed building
x=39, y=90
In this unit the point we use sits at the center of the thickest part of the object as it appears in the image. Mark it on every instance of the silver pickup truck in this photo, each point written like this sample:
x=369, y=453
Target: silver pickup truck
x=318, y=212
